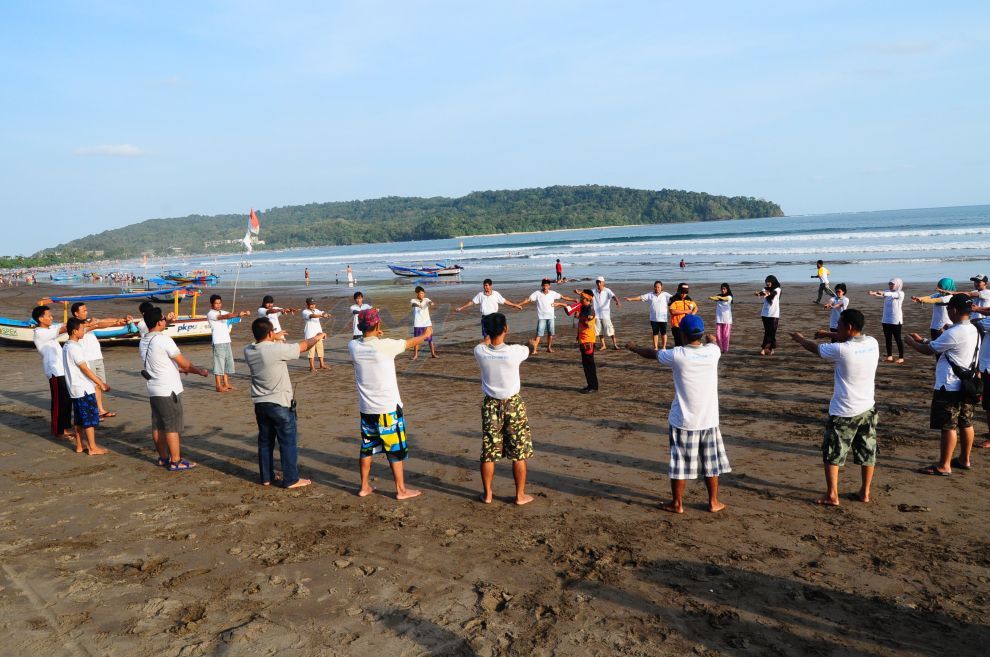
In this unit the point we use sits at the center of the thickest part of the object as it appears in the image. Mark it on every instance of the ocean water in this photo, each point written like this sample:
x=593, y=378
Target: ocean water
x=920, y=245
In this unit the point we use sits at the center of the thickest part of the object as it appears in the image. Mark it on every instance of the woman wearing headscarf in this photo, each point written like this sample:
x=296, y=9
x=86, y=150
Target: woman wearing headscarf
x=944, y=290
x=770, y=314
x=893, y=317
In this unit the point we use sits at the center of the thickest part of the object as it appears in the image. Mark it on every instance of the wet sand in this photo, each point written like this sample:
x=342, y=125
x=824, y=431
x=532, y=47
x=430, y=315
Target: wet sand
x=113, y=556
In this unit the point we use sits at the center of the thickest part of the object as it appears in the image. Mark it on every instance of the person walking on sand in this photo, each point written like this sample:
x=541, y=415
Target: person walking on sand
x=306, y=276
x=223, y=354
x=659, y=302
x=421, y=320
x=162, y=362
x=822, y=275
x=383, y=428
x=505, y=431
x=939, y=299
x=837, y=305
x=603, y=312
x=274, y=403
x=82, y=383
x=46, y=342
x=852, y=413
x=586, y=341
x=893, y=317
x=770, y=314
x=489, y=301
x=355, y=309
x=723, y=316
x=952, y=410
x=559, y=268
x=680, y=307
x=695, y=440
x=311, y=316
x=546, y=301
x=91, y=347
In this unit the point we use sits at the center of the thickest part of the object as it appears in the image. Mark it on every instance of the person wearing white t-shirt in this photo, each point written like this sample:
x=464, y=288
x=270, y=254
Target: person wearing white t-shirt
x=421, y=320
x=981, y=299
x=603, y=311
x=944, y=290
x=546, y=300
x=723, y=317
x=223, y=353
x=488, y=299
x=505, y=431
x=952, y=409
x=162, y=363
x=311, y=316
x=91, y=347
x=83, y=383
x=659, y=312
x=272, y=312
x=836, y=306
x=383, y=428
x=984, y=364
x=695, y=439
x=893, y=317
x=770, y=314
x=46, y=336
x=145, y=306
x=852, y=413
x=356, y=308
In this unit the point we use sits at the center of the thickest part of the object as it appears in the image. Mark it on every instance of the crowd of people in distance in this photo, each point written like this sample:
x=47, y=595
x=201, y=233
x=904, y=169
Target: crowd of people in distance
x=78, y=378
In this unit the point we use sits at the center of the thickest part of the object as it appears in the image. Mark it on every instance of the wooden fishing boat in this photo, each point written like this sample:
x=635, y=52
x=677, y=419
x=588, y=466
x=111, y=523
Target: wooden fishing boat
x=428, y=271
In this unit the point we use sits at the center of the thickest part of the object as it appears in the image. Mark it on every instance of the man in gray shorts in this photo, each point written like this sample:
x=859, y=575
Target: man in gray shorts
x=162, y=362
x=92, y=351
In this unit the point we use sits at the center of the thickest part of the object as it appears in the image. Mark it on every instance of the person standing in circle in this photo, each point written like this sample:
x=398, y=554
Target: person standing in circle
x=723, y=317
x=893, y=317
x=681, y=307
x=770, y=314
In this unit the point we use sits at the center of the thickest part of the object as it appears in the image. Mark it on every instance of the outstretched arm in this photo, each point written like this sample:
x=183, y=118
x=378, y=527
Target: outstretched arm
x=460, y=308
x=186, y=366
x=919, y=344
x=420, y=339
x=645, y=352
x=309, y=343
x=810, y=345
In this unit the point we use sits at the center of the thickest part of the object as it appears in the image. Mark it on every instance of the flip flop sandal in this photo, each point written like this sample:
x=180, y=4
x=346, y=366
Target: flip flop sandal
x=106, y=414
x=956, y=463
x=180, y=466
x=933, y=470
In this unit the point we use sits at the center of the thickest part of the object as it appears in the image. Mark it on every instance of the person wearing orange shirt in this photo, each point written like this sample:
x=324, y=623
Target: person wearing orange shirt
x=680, y=307
x=586, y=337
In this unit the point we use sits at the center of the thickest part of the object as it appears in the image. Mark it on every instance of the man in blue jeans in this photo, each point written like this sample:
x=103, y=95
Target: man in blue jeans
x=274, y=407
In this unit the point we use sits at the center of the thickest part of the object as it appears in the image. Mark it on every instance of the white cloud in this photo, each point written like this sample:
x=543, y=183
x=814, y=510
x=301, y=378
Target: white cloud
x=111, y=150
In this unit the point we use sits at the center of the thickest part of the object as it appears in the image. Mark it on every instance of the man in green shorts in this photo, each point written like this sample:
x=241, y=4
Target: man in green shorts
x=852, y=414
x=504, y=425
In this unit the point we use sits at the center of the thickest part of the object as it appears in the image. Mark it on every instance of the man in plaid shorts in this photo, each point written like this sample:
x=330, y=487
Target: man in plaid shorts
x=695, y=440
x=504, y=425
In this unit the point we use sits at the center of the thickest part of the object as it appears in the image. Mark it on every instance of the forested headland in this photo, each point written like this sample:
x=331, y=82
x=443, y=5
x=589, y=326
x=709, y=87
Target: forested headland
x=397, y=219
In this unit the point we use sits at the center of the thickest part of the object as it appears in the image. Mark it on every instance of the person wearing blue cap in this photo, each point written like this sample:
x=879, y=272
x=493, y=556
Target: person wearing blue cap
x=695, y=440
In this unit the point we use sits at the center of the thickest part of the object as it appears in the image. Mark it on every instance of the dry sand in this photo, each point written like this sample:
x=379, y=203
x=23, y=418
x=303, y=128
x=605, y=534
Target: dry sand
x=113, y=556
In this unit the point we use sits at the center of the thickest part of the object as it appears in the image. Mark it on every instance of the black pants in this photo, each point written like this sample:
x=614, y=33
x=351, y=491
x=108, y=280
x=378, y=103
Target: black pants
x=588, y=363
x=61, y=405
x=678, y=338
x=893, y=331
x=770, y=332
x=822, y=289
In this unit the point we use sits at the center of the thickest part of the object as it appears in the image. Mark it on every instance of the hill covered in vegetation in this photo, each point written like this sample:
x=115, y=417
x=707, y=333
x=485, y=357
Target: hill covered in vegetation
x=397, y=219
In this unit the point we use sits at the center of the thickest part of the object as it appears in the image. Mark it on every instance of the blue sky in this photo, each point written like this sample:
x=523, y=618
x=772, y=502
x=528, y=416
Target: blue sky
x=116, y=112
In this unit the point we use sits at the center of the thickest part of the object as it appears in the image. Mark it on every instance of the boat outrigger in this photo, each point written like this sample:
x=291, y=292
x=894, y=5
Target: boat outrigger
x=183, y=327
x=429, y=271
x=195, y=277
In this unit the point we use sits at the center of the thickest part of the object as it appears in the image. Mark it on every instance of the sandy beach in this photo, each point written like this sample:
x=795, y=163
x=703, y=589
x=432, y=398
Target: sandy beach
x=113, y=556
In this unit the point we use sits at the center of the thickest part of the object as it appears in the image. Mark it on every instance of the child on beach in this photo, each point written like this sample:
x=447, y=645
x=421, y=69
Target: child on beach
x=311, y=328
x=586, y=341
x=223, y=355
x=421, y=320
x=681, y=306
x=659, y=302
x=893, y=317
x=723, y=316
x=695, y=440
x=355, y=309
x=944, y=290
x=770, y=314
x=852, y=415
x=82, y=383
x=504, y=425
x=838, y=304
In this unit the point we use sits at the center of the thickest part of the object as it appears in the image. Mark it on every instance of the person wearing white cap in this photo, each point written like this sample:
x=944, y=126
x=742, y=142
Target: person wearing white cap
x=603, y=311
x=981, y=299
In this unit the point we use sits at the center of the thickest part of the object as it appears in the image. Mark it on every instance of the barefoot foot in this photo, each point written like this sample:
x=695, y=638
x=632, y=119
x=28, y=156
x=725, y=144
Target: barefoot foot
x=672, y=507
x=408, y=493
x=524, y=499
x=863, y=496
x=365, y=491
x=97, y=451
x=485, y=499
x=300, y=483
x=716, y=507
x=827, y=501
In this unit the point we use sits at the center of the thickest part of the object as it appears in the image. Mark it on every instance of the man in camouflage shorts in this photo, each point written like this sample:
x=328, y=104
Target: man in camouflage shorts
x=504, y=425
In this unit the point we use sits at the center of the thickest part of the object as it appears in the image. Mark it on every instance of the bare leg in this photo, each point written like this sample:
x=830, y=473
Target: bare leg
x=986, y=443
x=656, y=342
x=664, y=340
x=93, y=449
x=966, y=439
x=615, y=345
x=415, y=352
x=218, y=383
x=711, y=483
x=519, y=475
x=323, y=365
x=364, y=466
x=226, y=383
x=676, y=505
x=160, y=444
x=864, y=491
x=831, y=497
x=487, y=475
x=312, y=364
x=401, y=492
x=536, y=346
x=172, y=441
x=99, y=401
x=78, y=435
x=947, y=445
x=433, y=350
x=549, y=344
